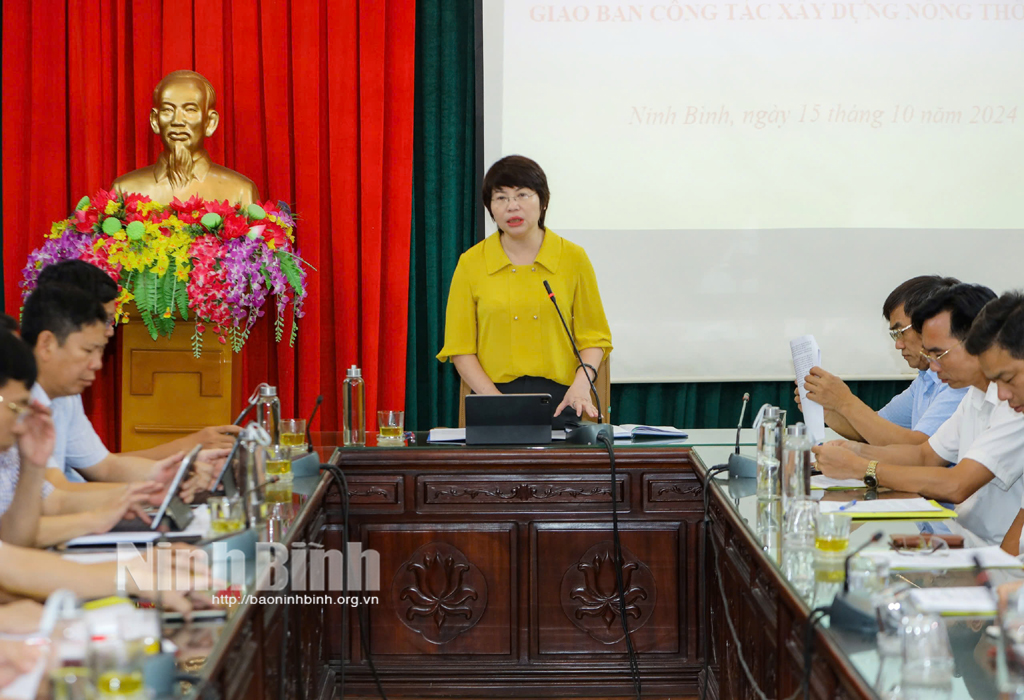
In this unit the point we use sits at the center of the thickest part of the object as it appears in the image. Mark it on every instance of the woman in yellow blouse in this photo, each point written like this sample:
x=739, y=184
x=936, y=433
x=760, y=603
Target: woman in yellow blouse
x=501, y=330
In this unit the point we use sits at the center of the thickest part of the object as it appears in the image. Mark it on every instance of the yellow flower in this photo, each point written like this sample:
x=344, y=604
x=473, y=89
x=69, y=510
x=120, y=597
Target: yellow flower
x=113, y=206
x=146, y=207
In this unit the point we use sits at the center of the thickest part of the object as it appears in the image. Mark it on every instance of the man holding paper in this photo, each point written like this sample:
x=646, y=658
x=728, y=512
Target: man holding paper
x=914, y=415
x=984, y=438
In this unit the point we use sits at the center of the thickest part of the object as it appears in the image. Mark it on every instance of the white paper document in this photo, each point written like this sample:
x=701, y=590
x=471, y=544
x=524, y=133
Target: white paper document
x=966, y=600
x=887, y=505
x=440, y=435
x=807, y=354
x=946, y=559
x=631, y=430
x=820, y=481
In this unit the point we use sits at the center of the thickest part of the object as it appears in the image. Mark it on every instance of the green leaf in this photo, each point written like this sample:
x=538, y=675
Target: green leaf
x=278, y=326
x=147, y=318
x=181, y=296
x=151, y=291
x=139, y=290
x=290, y=268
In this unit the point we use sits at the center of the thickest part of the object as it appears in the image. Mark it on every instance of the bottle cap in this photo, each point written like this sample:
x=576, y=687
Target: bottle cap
x=797, y=430
x=267, y=390
x=354, y=372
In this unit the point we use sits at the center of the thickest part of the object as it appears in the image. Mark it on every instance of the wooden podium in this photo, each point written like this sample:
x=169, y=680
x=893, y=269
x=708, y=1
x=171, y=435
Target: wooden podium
x=166, y=392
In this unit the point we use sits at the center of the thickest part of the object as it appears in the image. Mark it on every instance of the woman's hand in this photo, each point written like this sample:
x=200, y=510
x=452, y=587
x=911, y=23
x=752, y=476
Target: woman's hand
x=579, y=399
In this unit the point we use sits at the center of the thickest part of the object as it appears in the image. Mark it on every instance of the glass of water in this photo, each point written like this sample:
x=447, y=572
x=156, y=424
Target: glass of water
x=927, y=659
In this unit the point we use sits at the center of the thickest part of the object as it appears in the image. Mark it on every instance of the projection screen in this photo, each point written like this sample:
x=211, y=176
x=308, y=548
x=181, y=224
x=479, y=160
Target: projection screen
x=744, y=173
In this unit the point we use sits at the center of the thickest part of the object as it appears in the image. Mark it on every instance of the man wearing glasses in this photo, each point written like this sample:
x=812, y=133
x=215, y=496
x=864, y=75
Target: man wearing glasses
x=983, y=439
x=912, y=416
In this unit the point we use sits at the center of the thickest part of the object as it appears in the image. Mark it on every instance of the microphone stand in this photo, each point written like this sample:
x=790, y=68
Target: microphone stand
x=593, y=434
x=582, y=434
x=740, y=465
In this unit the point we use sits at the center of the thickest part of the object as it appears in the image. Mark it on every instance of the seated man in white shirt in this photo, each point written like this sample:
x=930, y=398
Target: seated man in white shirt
x=33, y=513
x=94, y=281
x=984, y=438
x=915, y=414
x=997, y=338
x=66, y=330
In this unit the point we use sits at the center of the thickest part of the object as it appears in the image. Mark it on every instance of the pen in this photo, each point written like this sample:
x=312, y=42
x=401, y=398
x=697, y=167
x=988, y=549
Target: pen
x=848, y=505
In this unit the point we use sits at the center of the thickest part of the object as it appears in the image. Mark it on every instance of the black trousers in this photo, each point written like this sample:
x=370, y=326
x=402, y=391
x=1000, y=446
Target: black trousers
x=540, y=385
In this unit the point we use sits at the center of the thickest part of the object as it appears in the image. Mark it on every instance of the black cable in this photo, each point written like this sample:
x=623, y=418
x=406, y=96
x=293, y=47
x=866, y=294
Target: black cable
x=703, y=574
x=634, y=661
x=364, y=638
x=820, y=612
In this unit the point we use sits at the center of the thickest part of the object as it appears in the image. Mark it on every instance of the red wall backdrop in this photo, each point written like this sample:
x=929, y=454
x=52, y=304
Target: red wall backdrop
x=316, y=104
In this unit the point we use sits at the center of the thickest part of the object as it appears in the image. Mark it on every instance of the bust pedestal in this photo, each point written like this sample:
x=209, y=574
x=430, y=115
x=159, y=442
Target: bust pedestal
x=166, y=392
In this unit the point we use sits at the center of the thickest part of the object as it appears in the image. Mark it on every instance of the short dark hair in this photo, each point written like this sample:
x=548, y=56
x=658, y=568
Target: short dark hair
x=517, y=171
x=8, y=323
x=963, y=301
x=912, y=292
x=1001, y=322
x=17, y=363
x=60, y=309
x=83, y=275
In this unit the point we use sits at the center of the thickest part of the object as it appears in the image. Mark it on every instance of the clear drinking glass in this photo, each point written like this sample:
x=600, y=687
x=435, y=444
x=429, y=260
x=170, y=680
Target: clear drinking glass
x=293, y=435
x=279, y=461
x=833, y=534
x=927, y=659
x=800, y=522
x=226, y=514
x=390, y=424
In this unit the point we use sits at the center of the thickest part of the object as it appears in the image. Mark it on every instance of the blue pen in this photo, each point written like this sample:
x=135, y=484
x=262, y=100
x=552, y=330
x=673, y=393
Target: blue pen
x=851, y=504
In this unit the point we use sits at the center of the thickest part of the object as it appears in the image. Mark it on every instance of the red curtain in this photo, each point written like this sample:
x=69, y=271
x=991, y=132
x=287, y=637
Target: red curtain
x=316, y=105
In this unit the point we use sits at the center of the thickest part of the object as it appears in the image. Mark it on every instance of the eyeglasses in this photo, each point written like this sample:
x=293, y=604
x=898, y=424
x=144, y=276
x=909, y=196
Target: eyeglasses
x=936, y=360
x=897, y=333
x=502, y=200
x=16, y=408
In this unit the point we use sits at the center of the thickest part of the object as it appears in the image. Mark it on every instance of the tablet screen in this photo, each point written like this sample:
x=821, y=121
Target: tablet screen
x=186, y=464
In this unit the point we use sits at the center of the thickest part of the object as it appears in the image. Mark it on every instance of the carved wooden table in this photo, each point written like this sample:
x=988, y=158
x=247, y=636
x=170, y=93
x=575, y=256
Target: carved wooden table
x=496, y=575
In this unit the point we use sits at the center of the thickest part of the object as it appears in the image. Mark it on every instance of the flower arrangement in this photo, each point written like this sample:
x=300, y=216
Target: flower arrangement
x=214, y=260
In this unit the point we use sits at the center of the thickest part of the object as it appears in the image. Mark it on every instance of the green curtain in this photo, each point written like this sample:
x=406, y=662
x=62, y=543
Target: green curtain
x=443, y=201
x=717, y=405
x=443, y=219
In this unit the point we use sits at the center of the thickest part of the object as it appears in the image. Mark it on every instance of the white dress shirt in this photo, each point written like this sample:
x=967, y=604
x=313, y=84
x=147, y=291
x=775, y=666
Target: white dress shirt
x=10, y=472
x=987, y=430
x=77, y=446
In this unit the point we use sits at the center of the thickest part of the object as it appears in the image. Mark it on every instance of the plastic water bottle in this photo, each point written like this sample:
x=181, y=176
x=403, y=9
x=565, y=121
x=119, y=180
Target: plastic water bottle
x=769, y=455
x=796, y=464
x=354, y=408
x=268, y=412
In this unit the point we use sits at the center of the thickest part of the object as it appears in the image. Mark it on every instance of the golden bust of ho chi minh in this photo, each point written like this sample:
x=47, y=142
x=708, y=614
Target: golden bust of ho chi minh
x=184, y=117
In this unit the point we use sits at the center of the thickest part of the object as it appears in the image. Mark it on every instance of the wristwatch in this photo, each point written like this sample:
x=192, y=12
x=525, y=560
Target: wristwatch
x=870, y=480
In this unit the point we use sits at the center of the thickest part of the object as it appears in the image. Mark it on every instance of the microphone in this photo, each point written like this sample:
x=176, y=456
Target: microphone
x=583, y=434
x=846, y=563
x=309, y=423
x=854, y=612
x=739, y=465
x=739, y=425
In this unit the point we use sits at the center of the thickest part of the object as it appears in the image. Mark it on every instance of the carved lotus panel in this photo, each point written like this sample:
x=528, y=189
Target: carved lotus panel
x=590, y=596
x=438, y=593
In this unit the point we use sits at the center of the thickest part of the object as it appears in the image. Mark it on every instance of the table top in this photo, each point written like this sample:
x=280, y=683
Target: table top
x=711, y=436
x=974, y=678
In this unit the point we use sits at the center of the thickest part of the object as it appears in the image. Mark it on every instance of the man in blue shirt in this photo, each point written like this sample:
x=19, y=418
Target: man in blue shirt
x=911, y=417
